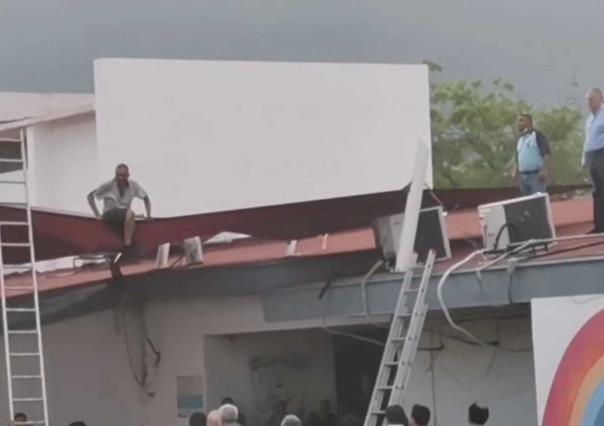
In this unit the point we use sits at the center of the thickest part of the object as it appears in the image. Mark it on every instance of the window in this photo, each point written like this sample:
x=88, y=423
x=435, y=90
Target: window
x=10, y=151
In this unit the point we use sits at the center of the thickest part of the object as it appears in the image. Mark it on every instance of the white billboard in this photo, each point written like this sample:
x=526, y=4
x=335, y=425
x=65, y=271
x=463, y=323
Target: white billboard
x=205, y=136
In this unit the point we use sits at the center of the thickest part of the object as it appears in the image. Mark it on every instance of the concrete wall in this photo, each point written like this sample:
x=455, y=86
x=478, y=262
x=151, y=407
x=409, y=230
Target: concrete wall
x=266, y=133
x=90, y=378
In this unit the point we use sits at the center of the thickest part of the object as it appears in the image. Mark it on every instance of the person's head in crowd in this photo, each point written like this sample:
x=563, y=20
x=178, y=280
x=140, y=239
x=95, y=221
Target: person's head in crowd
x=78, y=423
x=20, y=418
x=478, y=414
x=420, y=415
x=395, y=415
x=214, y=418
x=197, y=419
x=594, y=99
x=291, y=420
x=227, y=400
x=229, y=414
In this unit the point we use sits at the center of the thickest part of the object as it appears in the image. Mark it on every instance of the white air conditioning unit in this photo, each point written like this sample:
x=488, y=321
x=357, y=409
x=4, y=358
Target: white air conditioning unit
x=431, y=234
x=508, y=223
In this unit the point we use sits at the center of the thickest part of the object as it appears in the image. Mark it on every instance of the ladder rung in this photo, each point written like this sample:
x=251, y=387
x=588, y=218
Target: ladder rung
x=384, y=388
x=7, y=223
x=20, y=310
x=27, y=377
x=22, y=332
x=28, y=400
x=18, y=288
x=11, y=160
x=13, y=182
x=15, y=244
x=24, y=354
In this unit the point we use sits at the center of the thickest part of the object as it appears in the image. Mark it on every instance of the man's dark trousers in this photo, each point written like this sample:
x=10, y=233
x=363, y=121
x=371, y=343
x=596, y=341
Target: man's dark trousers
x=596, y=170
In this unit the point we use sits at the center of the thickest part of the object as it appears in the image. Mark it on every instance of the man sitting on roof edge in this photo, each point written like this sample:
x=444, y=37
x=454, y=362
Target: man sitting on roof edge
x=117, y=196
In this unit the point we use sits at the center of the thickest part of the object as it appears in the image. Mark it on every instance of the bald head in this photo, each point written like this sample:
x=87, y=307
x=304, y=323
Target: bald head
x=594, y=99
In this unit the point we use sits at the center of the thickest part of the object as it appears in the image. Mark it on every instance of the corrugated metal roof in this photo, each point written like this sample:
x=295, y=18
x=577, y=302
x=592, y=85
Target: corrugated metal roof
x=571, y=217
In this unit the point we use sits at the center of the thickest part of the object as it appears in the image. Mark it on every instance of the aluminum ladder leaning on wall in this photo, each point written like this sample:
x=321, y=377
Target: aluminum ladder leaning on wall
x=22, y=332
x=401, y=346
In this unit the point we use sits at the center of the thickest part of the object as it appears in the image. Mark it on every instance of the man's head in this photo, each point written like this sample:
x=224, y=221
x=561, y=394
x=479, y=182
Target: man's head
x=594, y=99
x=420, y=415
x=478, y=414
x=122, y=173
x=525, y=123
x=20, y=417
x=214, y=418
x=78, y=423
x=395, y=415
x=197, y=419
x=291, y=420
x=229, y=414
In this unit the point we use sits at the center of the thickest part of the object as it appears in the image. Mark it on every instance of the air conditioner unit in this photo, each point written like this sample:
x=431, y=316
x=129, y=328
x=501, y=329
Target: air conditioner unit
x=508, y=223
x=431, y=234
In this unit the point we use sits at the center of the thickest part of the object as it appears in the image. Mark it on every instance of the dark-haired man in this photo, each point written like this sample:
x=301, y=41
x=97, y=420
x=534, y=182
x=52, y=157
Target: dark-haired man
x=117, y=196
x=420, y=415
x=533, y=157
x=478, y=415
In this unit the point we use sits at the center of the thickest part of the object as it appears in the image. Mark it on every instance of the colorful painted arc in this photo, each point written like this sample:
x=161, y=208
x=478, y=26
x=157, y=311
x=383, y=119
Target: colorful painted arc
x=576, y=396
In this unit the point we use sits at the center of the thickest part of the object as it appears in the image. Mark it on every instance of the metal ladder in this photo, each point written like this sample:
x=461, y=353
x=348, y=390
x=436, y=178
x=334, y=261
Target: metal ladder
x=401, y=346
x=22, y=332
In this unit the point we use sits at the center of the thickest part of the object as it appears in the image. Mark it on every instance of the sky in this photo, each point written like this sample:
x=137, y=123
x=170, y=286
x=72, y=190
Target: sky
x=551, y=50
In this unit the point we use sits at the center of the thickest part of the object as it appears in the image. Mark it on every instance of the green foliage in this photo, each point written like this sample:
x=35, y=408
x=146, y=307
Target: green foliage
x=474, y=134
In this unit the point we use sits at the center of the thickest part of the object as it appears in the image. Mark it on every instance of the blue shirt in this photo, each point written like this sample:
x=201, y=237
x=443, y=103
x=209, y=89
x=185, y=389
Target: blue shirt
x=594, y=131
x=530, y=158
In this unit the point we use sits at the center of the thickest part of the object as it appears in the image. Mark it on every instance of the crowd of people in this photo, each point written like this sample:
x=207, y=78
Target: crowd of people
x=229, y=415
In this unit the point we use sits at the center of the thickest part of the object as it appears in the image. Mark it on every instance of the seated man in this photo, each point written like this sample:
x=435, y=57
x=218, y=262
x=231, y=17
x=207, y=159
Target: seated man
x=117, y=196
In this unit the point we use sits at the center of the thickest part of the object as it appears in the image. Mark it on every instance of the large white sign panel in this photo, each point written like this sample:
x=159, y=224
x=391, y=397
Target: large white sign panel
x=205, y=136
x=568, y=340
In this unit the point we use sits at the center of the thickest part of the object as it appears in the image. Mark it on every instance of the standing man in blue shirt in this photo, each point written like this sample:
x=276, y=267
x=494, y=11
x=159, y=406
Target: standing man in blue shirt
x=533, y=157
x=593, y=154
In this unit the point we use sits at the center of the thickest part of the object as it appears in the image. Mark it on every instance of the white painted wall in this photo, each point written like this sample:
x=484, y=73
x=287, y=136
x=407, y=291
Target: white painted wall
x=206, y=136
x=64, y=160
x=89, y=377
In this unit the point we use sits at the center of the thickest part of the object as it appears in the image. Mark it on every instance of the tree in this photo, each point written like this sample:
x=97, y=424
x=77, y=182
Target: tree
x=474, y=134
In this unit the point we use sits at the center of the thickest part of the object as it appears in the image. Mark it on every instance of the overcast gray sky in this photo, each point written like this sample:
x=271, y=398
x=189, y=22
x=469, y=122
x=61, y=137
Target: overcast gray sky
x=542, y=46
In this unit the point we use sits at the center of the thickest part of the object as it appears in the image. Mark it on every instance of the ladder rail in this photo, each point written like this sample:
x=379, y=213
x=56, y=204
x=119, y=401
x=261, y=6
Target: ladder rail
x=5, y=334
x=393, y=333
x=30, y=232
x=401, y=347
x=35, y=332
x=409, y=351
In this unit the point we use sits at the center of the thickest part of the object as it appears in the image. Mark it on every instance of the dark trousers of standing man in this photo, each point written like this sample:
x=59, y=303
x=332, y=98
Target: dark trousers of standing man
x=595, y=160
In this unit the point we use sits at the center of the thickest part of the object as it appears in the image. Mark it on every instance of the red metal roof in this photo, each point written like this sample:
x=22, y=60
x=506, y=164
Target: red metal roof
x=571, y=217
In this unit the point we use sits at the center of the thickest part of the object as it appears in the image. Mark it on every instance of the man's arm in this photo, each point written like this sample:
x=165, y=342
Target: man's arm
x=92, y=204
x=147, y=202
x=543, y=144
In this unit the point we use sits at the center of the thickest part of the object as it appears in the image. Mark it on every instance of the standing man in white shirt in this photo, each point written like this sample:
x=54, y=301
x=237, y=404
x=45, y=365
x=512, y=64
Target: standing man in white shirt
x=117, y=196
x=593, y=154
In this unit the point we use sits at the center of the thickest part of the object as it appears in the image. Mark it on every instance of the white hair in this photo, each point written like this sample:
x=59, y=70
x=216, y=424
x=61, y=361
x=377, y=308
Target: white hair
x=229, y=414
x=291, y=420
x=594, y=91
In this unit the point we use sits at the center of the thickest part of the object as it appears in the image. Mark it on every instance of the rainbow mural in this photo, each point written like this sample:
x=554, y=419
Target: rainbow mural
x=576, y=396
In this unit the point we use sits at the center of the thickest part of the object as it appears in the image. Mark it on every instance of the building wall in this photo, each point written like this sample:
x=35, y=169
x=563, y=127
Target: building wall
x=64, y=159
x=90, y=378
